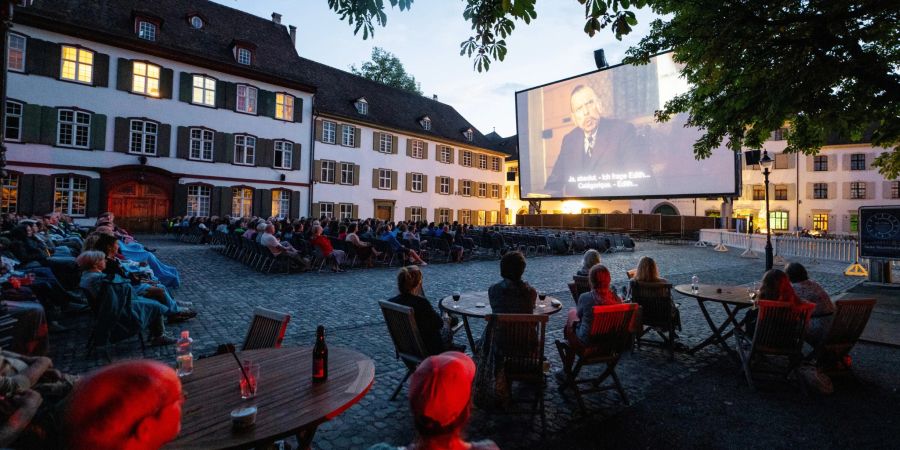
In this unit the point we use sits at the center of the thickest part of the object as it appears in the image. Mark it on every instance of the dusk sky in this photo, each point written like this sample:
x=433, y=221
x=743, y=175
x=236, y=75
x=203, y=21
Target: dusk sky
x=426, y=39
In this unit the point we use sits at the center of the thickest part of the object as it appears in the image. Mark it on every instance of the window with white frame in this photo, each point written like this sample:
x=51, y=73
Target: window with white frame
x=346, y=173
x=246, y=99
x=386, y=143
x=241, y=202
x=495, y=191
x=142, y=139
x=284, y=106
x=443, y=215
x=348, y=136
x=465, y=216
x=145, y=78
x=204, y=91
x=858, y=161
x=495, y=164
x=820, y=190
x=196, y=22
x=384, y=179
x=198, y=200
x=416, y=213
x=326, y=209
x=857, y=190
x=362, y=106
x=327, y=175
x=329, y=129
x=444, y=185
x=481, y=217
x=70, y=195
x=469, y=134
x=482, y=162
x=147, y=30
x=9, y=196
x=778, y=220
x=466, y=188
x=482, y=189
x=15, y=60
x=467, y=159
x=446, y=154
x=12, y=129
x=201, y=144
x=244, y=56
x=283, y=154
x=345, y=211
x=418, y=149
x=281, y=203
x=426, y=123
x=416, y=182
x=895, y=190
x=73, y=129
x=77, y=64
x=244, y=150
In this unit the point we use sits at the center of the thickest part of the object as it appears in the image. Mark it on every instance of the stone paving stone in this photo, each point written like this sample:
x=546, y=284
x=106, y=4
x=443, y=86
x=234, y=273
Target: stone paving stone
x=224, y=293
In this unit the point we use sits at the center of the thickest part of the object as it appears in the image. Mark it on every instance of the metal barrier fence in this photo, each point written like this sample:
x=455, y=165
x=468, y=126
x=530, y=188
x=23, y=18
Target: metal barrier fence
x=843, y=250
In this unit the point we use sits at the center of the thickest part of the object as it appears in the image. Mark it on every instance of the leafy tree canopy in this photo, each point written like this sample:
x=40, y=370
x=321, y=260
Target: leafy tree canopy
x=386, y=68
x=827, y=68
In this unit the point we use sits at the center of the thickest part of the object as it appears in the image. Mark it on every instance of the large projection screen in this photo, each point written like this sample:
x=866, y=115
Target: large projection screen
x=594, y=136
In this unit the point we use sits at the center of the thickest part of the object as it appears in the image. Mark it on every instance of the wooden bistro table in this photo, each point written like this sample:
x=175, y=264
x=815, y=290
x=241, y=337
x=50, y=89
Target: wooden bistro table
x=732, y=298
x=288, y=402
x=476, y=304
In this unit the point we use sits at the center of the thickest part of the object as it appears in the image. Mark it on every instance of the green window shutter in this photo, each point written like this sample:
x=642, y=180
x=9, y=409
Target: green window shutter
x=124, y=69
x=295, y=205
x=185, y=84
x=164, y=140
x=265, y=202
x=49, y=117
x=179, y=200
x=166, y=80
x=225, y=194
x=221, y=89
x=26, y=194
x=265, y=149
x=228, y=148
x=266, y=101
x=98, y=132
x=298, y=109
x=183, y=142
x=101, y=70
x=231, y=97
x=295, y=157
x=121, y=135
x=43, y=194
x=220, y=147
x=43, y=58
x=93, y=197
x=31, y=123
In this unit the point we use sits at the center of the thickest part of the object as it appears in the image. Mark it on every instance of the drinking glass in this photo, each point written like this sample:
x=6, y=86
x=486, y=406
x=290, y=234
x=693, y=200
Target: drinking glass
x=248, y=389
x=543, y=296
x=456, y=296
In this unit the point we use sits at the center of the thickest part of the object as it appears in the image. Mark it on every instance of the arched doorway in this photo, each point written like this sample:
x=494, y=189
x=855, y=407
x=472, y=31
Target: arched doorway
x=665, y=209
x=138, y=206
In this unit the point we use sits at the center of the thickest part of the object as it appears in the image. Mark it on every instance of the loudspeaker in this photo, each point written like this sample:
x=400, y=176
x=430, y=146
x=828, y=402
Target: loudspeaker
x=600, y=58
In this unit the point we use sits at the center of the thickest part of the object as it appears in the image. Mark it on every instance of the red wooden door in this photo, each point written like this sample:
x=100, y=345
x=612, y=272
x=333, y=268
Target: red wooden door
x=139, y=207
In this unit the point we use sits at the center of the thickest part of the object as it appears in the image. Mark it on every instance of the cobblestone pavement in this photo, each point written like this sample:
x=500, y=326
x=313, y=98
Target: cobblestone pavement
x=224, y=292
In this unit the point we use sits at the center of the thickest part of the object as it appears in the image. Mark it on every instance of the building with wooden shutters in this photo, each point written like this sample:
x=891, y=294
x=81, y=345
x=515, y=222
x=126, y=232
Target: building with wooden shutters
x=154, y=109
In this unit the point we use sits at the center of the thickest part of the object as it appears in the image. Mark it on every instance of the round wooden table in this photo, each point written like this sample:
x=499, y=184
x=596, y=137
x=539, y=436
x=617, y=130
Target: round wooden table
x=732, y=298
x=476, y=304
x=288, y=402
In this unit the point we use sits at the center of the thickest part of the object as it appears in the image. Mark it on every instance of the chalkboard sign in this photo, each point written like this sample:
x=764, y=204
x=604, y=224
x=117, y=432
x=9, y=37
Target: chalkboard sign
x=879, y=232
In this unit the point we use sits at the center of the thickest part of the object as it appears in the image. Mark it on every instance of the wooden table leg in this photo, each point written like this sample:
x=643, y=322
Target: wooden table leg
x=305, y=437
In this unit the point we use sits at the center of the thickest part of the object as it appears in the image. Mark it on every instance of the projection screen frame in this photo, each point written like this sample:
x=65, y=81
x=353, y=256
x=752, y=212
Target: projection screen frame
x=737, y=156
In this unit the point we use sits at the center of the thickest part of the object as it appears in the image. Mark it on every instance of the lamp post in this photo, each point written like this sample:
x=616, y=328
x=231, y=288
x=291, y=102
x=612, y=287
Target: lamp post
x=765, y=163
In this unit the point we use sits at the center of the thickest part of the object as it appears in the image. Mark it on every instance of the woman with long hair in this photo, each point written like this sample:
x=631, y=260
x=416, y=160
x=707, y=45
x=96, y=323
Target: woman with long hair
x=578, y=324
x=776, y=286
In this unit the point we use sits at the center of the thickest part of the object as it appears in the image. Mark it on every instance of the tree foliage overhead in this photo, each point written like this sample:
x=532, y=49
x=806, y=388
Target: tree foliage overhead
x=828, y=68
x=386, y=68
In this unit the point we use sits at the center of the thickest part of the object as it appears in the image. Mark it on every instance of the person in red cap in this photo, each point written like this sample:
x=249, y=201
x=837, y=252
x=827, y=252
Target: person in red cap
x=440, y=393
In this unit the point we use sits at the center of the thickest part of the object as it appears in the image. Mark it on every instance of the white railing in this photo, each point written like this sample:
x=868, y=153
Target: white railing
x=814, y=248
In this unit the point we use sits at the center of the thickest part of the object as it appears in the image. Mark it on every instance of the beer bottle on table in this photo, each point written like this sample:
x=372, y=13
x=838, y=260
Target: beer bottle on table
x=320, y=357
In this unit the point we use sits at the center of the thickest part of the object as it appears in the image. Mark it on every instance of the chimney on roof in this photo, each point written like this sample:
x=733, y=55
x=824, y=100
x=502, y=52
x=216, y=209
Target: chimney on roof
x=293, y=30
x=276, y=17
x=434, y=97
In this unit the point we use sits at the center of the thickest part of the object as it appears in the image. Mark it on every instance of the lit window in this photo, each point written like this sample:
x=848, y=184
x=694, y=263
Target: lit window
x=326, y=210
x=142, y=140
x=204, y=92
x=362, y=106
x=415, y=214
x=386, y=143
x=244, y=150
x=820, y=191
x=281, y=203
x=495, y=191
x=145, y=79
x=858, y=161
x=241, y=202
x=466, y=188
x=196, y=22
x=482, y=217
x=482, y=162
x=857, y=190
x=74, y=129
x=384, y=179
x=201, y=144
x=820, y=222
x=198, y=200
x=445, y=185
x=820, y=163
x=244, y=56
x=13, y=127
x=147, y=30
x=284, y=106
x=283, y=154
x=70, y=195
x=446, y=154
x=467, y=159
x=778, y=220
x=329, y=129
x=348, y=136
x=416, y=180
x=418, y=149
x=854, y=223
x=9, y=201
x=346, y=173
x=16, y=57
x=77, y=64
x=346, y=211
x=327, y=175
x=246, y=99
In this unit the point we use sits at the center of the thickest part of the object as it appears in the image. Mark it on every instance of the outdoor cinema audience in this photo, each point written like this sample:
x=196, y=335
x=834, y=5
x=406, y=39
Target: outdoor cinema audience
x=512, y=295
x=590, y=259
x=578, y=323
x=435, y=333
x=323, y=245
x=648, y=272
x=811, y=291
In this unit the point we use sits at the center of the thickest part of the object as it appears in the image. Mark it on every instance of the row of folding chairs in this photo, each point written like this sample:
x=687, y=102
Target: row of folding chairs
x=252, y=254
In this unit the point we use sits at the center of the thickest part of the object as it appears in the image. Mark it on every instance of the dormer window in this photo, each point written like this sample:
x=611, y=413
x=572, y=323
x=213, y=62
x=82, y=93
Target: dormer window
x=243, y=52
x=426, y=123
x=469, y=134
x=362, y=106
x=244, y=56
x=196, y=22
x=146, y=30
x=146, y=26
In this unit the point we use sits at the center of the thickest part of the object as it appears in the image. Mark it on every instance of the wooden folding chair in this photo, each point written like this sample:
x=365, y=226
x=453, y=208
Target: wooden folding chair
x=266, y=330
x=408, y=344
x=778, y=333
x=658, y=313
x=850, y=319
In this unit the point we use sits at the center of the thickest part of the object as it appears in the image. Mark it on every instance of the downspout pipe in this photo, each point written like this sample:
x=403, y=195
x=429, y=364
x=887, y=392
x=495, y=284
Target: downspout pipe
x=312, y=157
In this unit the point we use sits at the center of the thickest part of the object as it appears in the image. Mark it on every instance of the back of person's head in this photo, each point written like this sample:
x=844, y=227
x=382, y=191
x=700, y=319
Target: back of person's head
x=591, y=259
x=599, y=277
x=128, y=405
x=647, y=270
x=89, y=259
x=352, y=228
x=261, y=227
x=776, y=286
x=105, y=243
x=512, y=265
x=796, y=272
x=439, y=394
x=408, y=279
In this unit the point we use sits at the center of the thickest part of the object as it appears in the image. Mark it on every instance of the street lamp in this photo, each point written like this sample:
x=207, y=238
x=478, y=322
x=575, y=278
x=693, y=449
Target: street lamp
x=765, y=163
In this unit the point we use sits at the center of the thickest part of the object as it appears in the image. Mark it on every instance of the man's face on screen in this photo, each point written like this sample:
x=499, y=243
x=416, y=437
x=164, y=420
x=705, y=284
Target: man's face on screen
x=586, y=109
